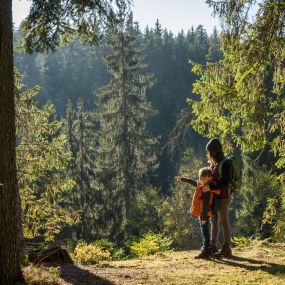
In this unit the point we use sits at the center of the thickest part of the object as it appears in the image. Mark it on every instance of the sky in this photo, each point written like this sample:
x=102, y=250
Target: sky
x=174, y=15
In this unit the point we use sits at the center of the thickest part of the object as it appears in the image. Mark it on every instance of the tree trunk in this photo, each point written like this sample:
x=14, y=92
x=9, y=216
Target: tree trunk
x=9, y=195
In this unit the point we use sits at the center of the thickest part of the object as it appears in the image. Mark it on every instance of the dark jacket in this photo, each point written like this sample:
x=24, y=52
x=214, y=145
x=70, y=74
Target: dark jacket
x=222, y=182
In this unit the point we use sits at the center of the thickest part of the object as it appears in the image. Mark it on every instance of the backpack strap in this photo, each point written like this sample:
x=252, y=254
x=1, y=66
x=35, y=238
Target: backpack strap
x=220, y=166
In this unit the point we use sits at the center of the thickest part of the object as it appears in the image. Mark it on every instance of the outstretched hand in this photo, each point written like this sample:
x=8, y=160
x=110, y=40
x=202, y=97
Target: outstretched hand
x=177, y=178
x=206, y=188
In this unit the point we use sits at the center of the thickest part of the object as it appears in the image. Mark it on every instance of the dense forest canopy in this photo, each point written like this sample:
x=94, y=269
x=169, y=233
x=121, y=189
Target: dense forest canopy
x=78, y=73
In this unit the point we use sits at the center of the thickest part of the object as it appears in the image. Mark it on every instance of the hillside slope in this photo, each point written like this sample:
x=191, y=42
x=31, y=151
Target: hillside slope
x=263, y=265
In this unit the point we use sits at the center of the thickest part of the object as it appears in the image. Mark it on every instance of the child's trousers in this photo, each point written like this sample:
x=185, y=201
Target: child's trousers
x=205, y=230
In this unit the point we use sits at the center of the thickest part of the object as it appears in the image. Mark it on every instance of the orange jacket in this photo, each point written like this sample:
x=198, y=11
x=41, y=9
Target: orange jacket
x=197, y=201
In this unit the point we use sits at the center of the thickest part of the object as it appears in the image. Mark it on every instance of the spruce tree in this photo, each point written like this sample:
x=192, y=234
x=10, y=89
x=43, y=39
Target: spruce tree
x=85, y=198
x=259, y=187
x=42, y=158
x=125, y=150
x=215, y=53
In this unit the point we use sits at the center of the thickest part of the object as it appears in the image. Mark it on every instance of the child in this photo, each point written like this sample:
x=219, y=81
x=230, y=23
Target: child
x=201, y=206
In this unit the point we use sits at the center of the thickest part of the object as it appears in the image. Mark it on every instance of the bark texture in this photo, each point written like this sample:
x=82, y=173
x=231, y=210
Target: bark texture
x=9, y=196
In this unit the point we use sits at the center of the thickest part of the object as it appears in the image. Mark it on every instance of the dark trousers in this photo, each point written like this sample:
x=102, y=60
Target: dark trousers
x=205, y=230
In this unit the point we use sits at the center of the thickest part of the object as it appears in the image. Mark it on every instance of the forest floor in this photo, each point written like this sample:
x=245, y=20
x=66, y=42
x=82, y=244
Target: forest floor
x=264, y=265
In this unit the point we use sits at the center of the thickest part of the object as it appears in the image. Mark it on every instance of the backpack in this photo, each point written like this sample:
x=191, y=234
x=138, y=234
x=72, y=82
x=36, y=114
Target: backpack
x=235, y=183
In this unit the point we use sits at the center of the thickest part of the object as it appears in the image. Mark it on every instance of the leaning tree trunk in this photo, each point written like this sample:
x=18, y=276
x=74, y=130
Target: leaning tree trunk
x=9, y=195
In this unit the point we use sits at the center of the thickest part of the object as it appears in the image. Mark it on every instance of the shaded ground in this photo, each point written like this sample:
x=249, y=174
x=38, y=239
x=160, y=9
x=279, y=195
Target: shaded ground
x=252, y=265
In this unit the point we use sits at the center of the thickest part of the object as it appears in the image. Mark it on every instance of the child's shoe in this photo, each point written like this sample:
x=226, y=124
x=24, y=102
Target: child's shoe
x=214, y=249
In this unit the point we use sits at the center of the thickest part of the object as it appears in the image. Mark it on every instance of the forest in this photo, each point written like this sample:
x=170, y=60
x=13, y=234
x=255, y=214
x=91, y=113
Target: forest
x=104, y=119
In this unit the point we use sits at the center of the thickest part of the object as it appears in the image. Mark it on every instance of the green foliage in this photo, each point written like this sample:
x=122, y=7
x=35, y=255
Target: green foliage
x=259, y=187
x=119, y=254
x=23, y=259
x=42, y=158
x=167, y=56
x=78, y=70
x=242, y=95
x=50, y=24
x=241, y=242
x=274, y=215
x=105, y=245
x=176, y=221
x=115, y=252
x=150, y=243
x=125, y=155
x=144, y=212
x=85, y=198
x=242, y=101
x=174, y=215
x=90, y=254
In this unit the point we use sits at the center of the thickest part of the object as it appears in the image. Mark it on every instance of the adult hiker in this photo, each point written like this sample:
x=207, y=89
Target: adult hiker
x=220, y=181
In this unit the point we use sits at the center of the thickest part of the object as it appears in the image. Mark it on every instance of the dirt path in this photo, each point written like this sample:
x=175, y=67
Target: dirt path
x=253, y=265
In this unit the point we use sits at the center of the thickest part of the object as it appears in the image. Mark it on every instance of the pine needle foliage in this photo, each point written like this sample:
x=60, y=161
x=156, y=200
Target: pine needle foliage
x=86, y=196
x=42, y=158
x=125, y=153
x=242, y=95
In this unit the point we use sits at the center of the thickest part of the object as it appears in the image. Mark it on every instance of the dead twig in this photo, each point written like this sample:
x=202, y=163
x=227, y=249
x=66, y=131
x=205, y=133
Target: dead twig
x=177, y=136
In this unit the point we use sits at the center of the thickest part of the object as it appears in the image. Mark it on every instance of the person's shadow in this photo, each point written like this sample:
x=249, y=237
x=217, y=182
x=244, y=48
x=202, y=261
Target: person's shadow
x=237, y=261
x=78, y=276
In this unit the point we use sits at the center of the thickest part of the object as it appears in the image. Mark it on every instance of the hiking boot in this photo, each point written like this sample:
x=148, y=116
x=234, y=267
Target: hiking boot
x=226, y=251
x=214, y=249
x=204, y=254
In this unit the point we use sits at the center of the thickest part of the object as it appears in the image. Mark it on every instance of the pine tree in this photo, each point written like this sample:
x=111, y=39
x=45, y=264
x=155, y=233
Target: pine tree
x=125, y=149
x=259, y=186
x=42, y=158
x=200, y=45
x=86, y=197
x=215, y=53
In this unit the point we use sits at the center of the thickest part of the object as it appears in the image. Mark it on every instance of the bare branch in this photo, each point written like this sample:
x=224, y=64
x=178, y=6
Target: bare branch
x=177, y=136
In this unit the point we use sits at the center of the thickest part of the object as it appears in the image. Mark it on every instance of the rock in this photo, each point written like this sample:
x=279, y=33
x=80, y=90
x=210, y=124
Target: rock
x=54, y=254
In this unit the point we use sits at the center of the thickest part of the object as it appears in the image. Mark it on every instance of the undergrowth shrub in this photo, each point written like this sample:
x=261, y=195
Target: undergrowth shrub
x=115, y=252
x=105, y=245
x=40, y=275
x=24, y=259
x=241, y=241
x=149, y=244
x=90, y=254
x=119, y=254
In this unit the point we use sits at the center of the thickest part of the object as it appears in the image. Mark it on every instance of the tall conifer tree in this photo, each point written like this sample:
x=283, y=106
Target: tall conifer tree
x=42, y=159
x=85, y=198
x=125, y=151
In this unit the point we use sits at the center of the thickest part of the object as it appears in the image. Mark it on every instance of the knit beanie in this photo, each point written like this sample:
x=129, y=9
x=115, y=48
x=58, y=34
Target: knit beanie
x=214, y=146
